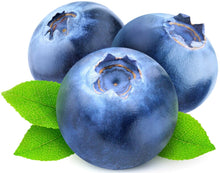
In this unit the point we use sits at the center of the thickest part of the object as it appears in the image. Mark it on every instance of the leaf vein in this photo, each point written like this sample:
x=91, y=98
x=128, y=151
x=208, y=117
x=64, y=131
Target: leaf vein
x=28, y=99
x=45, y=143
x=190, y=142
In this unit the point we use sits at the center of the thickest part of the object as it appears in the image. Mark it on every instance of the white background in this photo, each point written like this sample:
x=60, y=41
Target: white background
x=18, y=21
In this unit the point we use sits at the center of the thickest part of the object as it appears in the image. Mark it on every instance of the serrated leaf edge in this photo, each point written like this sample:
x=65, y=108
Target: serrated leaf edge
x=211, y=145
x=25, y=98
x=4, y=93
x=20, y=153
x=17, y=153
x=33, y=102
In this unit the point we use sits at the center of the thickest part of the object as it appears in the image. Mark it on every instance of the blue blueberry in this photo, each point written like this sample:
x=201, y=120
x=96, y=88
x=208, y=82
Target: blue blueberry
x=180, y=48
x=117, y=108
x=66, y=35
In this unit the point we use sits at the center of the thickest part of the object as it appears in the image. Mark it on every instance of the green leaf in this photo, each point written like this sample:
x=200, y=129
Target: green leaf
x=35, y=101
x=189, y=140
x=44, y=144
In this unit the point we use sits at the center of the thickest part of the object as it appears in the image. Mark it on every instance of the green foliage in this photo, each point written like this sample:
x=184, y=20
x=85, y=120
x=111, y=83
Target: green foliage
x=189, y=140
x=44, y=144
x=35, y=101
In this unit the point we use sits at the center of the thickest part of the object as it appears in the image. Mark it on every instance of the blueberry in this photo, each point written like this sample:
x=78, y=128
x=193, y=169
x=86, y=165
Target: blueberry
x=181, y=48
x=66, y=35
x=117, y=108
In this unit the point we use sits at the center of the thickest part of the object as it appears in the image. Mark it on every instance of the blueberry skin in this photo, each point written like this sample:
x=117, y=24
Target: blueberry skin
x=66, y=35
x=117, y=108
x=180, y=48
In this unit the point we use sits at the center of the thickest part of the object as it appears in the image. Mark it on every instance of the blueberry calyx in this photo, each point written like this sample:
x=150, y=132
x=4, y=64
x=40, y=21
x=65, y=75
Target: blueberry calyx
x=183, y=18
x=188, y=35
x=59, y=22
x=116, y=74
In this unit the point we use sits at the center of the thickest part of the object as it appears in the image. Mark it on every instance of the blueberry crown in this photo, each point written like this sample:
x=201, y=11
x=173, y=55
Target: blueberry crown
x=199, y=28
x=186, y=34
x=116, y=74
x=59, y=22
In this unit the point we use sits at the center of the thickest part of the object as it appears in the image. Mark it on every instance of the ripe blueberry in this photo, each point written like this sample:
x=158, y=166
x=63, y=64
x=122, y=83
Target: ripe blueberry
x=180, y=48
x=117, y=108
x=66, y=35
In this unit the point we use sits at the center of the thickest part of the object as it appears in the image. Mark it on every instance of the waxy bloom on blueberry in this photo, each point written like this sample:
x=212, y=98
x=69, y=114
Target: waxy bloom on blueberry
x=181, y=48
x=117, y=108
x=66, y=35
